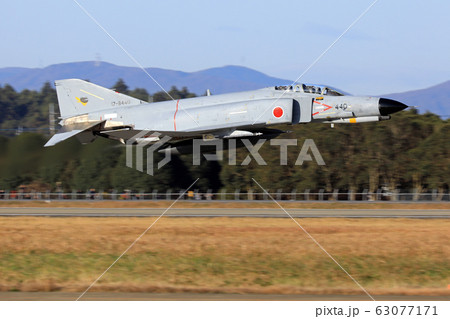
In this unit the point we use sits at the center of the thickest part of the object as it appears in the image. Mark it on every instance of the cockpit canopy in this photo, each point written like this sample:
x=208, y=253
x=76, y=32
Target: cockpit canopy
x=312, y=89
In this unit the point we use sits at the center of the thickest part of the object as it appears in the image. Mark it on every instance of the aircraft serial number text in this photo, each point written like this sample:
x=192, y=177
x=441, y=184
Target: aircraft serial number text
x=120, y=103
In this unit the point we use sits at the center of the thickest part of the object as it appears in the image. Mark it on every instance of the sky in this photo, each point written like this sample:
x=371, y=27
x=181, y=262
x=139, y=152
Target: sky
x=399, y=45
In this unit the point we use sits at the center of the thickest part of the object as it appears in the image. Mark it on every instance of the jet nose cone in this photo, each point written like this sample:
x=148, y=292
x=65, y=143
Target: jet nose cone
x=388, y=106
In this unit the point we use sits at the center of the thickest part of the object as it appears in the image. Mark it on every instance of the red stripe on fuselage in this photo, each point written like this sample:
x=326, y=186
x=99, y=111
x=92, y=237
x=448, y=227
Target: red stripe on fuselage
x=174, y=117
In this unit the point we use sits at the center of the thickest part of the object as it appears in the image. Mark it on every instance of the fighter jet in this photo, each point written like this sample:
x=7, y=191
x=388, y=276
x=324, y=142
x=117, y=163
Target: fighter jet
x=89, y=111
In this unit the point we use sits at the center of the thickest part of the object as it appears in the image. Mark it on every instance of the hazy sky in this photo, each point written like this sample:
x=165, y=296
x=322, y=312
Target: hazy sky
x=398, y=45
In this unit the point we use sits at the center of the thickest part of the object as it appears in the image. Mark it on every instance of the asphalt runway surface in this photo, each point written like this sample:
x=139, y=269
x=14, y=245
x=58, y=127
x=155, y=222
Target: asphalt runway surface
x=129, y=296
x=225, y=212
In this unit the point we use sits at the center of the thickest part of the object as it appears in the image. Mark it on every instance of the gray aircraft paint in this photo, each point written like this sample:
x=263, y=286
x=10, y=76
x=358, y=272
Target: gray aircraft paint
x=88, y=110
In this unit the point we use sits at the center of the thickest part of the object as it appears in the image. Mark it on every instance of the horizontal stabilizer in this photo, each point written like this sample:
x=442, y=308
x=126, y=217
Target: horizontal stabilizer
x=63, y=134
x=59, y=137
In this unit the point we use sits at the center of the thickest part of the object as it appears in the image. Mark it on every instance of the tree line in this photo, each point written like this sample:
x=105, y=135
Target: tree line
x=411, y=151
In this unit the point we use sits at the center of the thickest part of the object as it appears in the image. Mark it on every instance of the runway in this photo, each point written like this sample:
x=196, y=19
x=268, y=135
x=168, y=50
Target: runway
x=225, y=212
x=129, y=296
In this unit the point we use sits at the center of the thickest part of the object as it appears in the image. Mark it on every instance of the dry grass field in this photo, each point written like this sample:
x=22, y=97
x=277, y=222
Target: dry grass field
x=229, y=255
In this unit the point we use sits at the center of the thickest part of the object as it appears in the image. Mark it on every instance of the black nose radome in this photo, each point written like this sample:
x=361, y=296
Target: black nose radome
x=388, y=106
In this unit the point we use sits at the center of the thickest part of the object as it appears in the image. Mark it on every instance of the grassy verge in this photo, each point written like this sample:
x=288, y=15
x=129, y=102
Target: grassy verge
x=225, y=255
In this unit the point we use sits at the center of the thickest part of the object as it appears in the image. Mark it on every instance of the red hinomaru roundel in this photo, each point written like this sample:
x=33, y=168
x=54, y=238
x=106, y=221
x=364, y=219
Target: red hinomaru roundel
x=278, y=111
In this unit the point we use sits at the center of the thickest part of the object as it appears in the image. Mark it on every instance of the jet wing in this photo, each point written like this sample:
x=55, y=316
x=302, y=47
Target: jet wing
x=218, y=130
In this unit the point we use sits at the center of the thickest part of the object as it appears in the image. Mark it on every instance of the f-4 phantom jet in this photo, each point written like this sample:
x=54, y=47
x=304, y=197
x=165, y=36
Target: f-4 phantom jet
x=89, y=111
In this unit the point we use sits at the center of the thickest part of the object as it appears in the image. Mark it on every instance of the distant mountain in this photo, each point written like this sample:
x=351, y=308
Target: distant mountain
x=435, y=99
x=225, y=79
x=218, y=80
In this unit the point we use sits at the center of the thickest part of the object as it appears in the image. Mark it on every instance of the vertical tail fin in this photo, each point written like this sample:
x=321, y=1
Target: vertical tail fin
x=76, y=97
